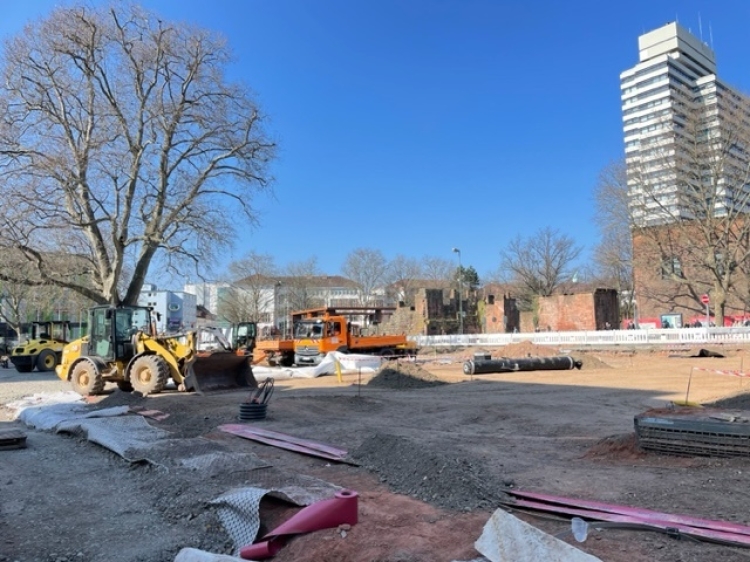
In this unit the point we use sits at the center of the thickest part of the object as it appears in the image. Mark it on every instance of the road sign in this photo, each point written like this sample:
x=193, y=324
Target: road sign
x=704, y=299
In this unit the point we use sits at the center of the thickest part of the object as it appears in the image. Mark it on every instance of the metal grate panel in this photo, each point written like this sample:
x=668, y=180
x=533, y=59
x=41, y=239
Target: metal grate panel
x=696, y=433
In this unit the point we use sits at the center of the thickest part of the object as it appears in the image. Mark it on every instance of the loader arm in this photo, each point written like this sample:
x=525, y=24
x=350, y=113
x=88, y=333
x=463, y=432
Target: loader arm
x=177, y=351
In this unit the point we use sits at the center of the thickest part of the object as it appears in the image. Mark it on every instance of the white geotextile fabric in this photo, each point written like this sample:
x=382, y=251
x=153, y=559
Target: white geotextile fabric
x=128, y=436
x=134, y=439
x=239, y=510
x=44, y=399
x=47, y=418
x=349, y=363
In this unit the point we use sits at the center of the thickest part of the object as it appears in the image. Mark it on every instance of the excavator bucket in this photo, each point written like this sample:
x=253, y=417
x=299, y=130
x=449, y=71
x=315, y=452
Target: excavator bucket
x=219, y=370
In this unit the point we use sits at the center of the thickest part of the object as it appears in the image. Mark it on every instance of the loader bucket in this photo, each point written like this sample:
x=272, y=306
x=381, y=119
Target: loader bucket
x=219, y=370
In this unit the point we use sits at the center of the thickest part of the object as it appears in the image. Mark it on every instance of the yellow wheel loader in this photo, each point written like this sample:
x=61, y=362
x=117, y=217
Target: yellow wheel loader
x=43, y=350
x=121, y=347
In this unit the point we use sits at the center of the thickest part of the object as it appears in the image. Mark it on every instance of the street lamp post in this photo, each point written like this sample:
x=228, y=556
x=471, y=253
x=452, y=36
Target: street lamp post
x=277, y=305
x=460, y=294
x=286, y=314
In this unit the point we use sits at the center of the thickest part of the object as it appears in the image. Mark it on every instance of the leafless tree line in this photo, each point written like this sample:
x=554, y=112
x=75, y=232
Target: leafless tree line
x=125, y=149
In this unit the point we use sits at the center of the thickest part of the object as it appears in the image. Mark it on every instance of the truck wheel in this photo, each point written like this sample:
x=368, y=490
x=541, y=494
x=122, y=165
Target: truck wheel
x=287, y=360
x=46, y=360
x=86, y=380
x=149, y=374
x=388, y=353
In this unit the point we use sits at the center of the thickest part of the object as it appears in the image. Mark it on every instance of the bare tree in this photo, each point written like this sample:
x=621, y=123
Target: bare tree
x=299, y=280
x=14, y=305
x=613, y=255
x=540, y=263
x=368, y=269
x=252, y=291
x=123, y=145
x=405, y=274
x=21, y=304
x=438, y=269
x=694, y=239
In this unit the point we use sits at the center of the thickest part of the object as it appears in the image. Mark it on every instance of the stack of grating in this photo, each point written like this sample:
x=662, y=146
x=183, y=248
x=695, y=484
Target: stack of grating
x=694, y=432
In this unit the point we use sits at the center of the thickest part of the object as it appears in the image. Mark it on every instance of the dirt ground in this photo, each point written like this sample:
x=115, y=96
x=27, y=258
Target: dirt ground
x=433, y=454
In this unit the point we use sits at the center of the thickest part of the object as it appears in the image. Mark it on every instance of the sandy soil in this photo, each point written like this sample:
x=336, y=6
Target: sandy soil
x=435, y=452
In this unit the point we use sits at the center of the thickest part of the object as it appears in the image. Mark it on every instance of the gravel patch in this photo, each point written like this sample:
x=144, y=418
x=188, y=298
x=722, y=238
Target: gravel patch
x=448, y=481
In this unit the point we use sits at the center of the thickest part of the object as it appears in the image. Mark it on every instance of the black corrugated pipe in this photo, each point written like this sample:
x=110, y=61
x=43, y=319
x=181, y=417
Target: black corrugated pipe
x=508, y=365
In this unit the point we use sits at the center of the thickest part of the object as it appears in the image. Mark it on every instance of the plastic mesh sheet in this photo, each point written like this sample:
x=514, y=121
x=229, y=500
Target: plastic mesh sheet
x=239, y=509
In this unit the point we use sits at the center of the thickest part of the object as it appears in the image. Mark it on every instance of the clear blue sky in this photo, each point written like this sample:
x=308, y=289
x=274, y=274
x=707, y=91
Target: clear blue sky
x=416, y=126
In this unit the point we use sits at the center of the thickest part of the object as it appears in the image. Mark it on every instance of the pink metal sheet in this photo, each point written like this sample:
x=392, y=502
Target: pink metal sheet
x=735, y=539
x=290, y=443
x=309, y=443
x=644, y=514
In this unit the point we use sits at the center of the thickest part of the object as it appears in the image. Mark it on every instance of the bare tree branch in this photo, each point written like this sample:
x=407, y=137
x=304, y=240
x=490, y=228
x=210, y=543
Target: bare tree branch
x=613, y=255
x=252, y=290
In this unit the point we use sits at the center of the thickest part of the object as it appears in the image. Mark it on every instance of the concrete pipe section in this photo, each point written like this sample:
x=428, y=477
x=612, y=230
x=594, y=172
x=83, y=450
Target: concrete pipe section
x=507, y=365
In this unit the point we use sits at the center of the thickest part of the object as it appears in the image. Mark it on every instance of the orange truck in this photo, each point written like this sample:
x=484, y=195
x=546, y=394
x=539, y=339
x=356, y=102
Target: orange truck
x=275, y=351
x=319, y=331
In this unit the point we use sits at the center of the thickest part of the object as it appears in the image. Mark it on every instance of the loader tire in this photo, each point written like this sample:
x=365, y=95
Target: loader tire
x=46, y=360
x=125, y=386
x=149, y=374
x=86, y=379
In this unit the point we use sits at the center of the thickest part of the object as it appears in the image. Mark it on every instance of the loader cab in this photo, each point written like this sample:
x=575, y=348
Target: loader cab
x=52, y=330
x=112, y=330
x=244, y=336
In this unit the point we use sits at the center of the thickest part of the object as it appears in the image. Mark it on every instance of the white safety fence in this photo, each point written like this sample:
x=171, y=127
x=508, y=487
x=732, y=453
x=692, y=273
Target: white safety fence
x=625, y=338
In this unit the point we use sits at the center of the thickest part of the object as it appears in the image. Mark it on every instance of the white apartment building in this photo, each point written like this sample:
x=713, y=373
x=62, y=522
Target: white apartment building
x=175, y=310
x=672, y=103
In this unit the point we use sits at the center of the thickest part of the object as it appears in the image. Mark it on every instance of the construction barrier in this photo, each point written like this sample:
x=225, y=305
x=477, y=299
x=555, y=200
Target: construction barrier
x=728, y=372
x=628, y=338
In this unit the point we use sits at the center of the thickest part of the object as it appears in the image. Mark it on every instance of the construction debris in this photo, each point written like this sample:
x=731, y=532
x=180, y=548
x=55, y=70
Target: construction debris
x=506, y=537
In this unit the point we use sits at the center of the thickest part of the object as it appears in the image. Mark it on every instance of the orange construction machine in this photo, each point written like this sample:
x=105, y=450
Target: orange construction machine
x=319, y=331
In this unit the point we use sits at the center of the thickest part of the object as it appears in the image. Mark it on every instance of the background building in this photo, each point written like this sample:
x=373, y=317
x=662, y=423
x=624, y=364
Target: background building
x=686, y=139
x=270, y=301
x=175, y=311
x=658, y=95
